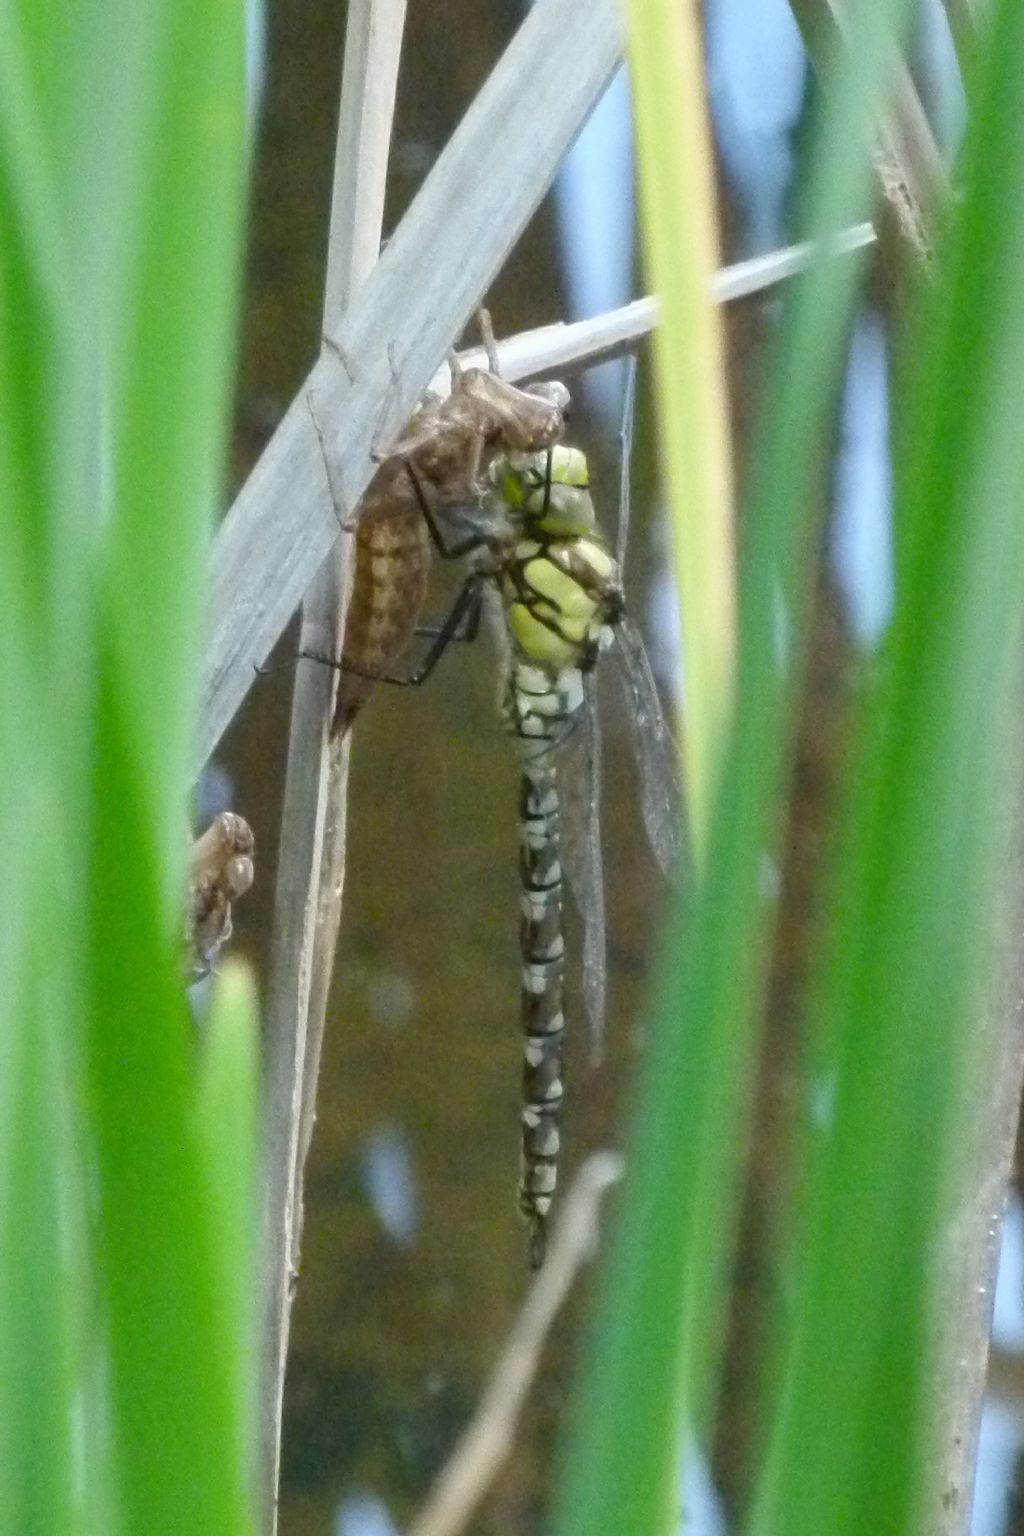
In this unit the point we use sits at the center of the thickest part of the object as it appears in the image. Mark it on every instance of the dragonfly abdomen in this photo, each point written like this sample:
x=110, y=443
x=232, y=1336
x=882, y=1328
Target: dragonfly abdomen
x=540, y=709
x=561, y=596
x=542, y=946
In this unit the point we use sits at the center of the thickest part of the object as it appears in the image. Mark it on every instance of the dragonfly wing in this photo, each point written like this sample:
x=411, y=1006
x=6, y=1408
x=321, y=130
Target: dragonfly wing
x=579, y=776
x=661, y=791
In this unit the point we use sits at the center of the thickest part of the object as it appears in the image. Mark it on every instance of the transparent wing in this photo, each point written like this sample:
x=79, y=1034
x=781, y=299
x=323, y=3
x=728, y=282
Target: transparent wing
x=661, y=787
x=579, y=781
x=661, y=792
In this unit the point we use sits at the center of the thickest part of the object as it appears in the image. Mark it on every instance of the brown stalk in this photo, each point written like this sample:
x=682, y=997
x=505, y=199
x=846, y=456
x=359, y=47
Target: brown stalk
x=967, y=1251
x=307, y=901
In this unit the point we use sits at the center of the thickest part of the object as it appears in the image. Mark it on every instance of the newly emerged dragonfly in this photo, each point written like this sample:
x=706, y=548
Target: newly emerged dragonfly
x=558, y=586
x=541, y=559
x=443, y=456
x=562, y=605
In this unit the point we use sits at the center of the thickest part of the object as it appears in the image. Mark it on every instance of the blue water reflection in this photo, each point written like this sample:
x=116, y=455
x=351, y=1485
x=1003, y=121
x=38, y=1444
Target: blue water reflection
x=387, y=1174
x=363, y=1514
x=757, y=72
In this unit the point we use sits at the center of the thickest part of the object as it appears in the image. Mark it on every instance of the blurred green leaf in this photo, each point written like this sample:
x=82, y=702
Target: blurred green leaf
x=175, y=363
x=121, y=180
x=227, y=1103
x=661, y=1294
x=681, y=220
x=37, y=1281
x=912, y=897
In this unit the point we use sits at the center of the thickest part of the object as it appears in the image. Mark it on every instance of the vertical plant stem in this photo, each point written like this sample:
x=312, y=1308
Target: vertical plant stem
x=964, y=19
x=307, y=901
x=912, y=179
x=681, y=241
x=658, y=1309
x=968, y=1249
x=919, y=843
x=372, y=51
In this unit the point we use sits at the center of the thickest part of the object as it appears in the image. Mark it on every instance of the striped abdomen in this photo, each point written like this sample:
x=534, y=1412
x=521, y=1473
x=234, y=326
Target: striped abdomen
x=540, y=709
x=542, y=946
x=392, y=566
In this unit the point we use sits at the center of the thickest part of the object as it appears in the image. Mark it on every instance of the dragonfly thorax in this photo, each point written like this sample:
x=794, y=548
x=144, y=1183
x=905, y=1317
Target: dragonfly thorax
x=545, y=492
x=559, y=596
x=558, y=581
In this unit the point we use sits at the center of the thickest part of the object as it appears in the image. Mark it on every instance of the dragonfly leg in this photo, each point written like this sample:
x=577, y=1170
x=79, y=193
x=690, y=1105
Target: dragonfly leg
x=483, y=320
x=462, y=623
x=378, y=453
x=348, y=524
x=469, y=631
x=446, y=551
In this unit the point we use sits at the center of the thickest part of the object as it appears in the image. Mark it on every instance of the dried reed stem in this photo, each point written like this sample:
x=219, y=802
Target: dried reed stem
x=560, y=348
x=312, y=840
x=912, y=179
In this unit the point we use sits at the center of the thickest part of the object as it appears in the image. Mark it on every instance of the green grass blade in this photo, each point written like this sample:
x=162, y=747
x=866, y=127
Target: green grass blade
x=165, y=1262
x=661, y=1293
x=227, y=1126
x=172, y=1365
x=913, y=893
x=175, y=362
x=677, y=185
x=38, y=1286
x=121, y=155
x=39, y=1295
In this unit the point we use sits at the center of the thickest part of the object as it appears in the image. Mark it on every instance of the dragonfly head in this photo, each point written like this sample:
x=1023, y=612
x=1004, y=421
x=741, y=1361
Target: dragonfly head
x=547, y=491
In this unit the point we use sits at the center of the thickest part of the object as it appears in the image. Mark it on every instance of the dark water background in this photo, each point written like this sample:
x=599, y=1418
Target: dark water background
x=413, y=1258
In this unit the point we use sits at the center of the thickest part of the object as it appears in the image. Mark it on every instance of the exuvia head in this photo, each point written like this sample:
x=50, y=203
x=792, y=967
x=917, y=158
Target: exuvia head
x=549, y=490
x=552, y=390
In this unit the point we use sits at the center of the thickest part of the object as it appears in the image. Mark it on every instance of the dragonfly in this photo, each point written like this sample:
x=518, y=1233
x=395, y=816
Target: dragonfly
x=563, y=607
x=441, y=459
x=543, y=563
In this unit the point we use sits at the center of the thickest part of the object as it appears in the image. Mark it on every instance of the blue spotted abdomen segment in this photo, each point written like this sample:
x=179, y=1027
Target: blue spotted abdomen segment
x=541, y=706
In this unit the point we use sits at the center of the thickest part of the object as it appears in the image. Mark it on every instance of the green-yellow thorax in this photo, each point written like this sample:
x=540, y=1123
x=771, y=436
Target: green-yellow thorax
x=559, y=583
x=548, y=492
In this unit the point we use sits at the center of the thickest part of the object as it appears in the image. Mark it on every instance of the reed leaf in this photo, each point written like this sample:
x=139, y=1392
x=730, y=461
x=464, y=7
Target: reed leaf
x=120, y=197
x=680, y=220
x=650, y=1368
x=912, y=896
